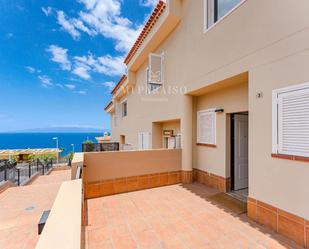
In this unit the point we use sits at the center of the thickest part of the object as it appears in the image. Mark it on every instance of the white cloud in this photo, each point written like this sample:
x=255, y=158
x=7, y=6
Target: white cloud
x=45, y=80
x=102, y=17
x=60, y=56
x=67, y=25
x=111, y=66
x=30, y=69
x=83, y=66
x=81, y=92
x=47, y=11
x=107, y=65
x=148, y=3
x=60, y=85
x=109, y=84
x=82, y=72
x=80, y=25
x=70, y=86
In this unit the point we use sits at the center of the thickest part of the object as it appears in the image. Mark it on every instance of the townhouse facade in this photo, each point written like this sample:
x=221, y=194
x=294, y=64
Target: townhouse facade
x=228, y=83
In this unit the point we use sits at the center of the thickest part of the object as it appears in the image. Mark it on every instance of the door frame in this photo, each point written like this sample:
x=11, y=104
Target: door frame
x=232, y=145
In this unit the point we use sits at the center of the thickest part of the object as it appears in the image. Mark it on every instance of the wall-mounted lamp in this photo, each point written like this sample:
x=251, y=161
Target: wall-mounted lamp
x=219, y=110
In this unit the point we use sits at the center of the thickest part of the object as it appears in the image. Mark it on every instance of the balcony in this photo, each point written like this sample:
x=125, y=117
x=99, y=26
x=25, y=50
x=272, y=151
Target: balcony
x=137, y=199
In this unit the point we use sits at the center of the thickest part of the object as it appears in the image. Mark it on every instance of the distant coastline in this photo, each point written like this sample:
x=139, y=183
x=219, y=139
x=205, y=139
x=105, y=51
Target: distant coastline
x=41, y=140
x=60, y=130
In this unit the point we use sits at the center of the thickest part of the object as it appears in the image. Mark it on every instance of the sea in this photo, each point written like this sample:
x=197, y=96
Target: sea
x=45, y=140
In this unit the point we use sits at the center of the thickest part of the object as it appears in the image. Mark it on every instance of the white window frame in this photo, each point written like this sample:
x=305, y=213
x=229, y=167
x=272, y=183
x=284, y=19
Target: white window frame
x=275, y=118
x=142, y=145
x=122, y=110
x=162, y=55
x=205, y=10
x=212, y=110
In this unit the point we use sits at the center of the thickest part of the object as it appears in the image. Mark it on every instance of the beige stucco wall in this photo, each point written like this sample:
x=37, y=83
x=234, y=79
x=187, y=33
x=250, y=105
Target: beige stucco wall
x=112, y=165
x=232, y=99
x=282, y=183
x=266, y=38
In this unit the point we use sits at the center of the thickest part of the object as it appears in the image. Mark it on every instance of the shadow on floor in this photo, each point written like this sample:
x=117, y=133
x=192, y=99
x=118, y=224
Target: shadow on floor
x=235, y=208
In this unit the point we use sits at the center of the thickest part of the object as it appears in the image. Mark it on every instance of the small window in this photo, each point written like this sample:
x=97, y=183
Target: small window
x=291, y=120
x=155, y=74
x=151, y=87
x=214, y=10
x=124, y=108
x=206, y=127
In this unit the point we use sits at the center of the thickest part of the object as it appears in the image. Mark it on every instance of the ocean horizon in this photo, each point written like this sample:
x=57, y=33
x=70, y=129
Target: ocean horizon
x=41, y=140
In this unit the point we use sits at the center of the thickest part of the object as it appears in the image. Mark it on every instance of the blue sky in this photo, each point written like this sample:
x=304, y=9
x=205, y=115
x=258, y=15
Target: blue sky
x=60, y=59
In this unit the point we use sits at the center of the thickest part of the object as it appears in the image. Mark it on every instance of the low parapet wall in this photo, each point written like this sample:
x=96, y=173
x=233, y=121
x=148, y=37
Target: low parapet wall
x=64, y=224
x=107, y=173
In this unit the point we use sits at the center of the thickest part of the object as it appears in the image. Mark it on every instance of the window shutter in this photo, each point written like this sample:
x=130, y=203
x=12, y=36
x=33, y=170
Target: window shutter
x=140, y=140
x=156, y=68
x=178, y=141
x=293, y=122
x=206, y=127
x=146, y=140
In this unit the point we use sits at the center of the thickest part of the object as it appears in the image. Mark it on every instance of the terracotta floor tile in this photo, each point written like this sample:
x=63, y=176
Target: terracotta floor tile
x=147, y=239
x=124, y=242
x=177, y=217
x=22, y=207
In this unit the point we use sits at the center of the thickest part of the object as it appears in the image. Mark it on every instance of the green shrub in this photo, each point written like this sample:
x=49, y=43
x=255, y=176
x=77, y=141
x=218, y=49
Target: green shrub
x=89, y=146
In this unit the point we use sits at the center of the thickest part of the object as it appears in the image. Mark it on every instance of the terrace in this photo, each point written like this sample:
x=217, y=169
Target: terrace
x=176, y=216
x=137, y=199
x=21, y=208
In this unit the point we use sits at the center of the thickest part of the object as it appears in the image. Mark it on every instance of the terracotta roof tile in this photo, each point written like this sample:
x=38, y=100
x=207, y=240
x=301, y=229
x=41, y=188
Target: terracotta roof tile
x=122, y=79
x=147, y=28
x=108, y=105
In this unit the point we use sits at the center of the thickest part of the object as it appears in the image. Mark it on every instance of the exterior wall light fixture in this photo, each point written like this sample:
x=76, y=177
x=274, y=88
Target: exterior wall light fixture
x=219, y=110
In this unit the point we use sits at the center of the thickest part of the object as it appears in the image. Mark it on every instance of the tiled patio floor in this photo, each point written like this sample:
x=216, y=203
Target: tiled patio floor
x=172, y=217
x=22, y=207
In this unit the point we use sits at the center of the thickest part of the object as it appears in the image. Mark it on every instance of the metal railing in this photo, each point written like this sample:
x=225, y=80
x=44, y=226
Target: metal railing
x=21, y=173
x=97, y=147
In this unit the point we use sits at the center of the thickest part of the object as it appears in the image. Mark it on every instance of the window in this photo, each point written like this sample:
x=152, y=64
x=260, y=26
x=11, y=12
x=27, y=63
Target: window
x=155, y=72
x=214, y=10
x=151, y=87
x=124, y=108
x=291, y=120
x=206, y=127
x=155, y=68
x=144, y=140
